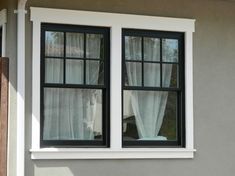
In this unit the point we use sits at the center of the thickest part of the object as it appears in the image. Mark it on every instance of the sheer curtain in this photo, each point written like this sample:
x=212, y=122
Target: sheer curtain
x=148, y=106
x=70, y=114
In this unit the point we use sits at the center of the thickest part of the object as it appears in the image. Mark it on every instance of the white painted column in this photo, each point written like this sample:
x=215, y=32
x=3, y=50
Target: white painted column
x=20, y=156
x=116, y=80
x=4, y=40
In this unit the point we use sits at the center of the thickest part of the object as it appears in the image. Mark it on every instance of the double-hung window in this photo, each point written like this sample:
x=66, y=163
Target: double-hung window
x=153, y=88
x=74, y=85
x=111, y=86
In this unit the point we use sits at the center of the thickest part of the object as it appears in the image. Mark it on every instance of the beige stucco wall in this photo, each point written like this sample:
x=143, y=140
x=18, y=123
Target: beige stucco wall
x=214, y=97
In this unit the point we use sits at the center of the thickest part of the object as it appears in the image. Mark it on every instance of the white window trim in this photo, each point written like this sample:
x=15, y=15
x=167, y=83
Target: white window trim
x=116, y=22
x=3, y=23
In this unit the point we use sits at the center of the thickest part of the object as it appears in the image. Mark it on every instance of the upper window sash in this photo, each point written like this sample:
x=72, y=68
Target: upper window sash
x=116, y=22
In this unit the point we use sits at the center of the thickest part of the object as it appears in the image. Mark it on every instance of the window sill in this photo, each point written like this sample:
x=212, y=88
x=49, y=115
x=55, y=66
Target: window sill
x=144, y=153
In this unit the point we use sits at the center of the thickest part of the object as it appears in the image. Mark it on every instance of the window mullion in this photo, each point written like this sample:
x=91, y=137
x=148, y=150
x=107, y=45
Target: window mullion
x=116, y=89
x=84, y=64
x=64, y=74
x=142, y=59
x=161, y=62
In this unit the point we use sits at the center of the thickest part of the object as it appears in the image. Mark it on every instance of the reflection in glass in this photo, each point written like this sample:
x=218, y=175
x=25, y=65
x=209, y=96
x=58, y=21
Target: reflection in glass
x=170, y=71
x=54, y=70
x=146, y=113
x=134, y=75
x=75, y=45
x=74, y=71
x=170, y=50
x=152, y=75
x=133, y=48
x=54, y=45
x=94, y=46
x=72, y=114
x=151, y=49
x=94, y=72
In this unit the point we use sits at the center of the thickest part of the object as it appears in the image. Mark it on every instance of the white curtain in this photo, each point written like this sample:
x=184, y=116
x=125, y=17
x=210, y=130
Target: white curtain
x=148, y=106
x=71, y=114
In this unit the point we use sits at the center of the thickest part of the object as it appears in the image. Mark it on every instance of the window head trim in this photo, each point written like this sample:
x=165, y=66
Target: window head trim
x=116, y=22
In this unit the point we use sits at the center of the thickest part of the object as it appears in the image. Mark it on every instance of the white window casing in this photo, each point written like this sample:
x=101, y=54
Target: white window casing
x=3, y=23
x=116, y=22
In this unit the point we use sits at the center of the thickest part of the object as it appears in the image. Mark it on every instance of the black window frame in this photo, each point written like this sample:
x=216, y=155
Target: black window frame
x=105, y=31
x=180, y=142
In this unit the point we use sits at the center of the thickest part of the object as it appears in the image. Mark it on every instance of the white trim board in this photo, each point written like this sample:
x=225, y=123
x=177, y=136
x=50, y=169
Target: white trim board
x=3, y=22
x=142, y=153
x=116, y=22
x=110, y=19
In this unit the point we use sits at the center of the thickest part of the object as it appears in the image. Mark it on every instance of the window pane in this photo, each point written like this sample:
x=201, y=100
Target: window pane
x=54, y=45
x=152, y=75
x=72, y=114
x=94, y=46
x=133, y=48
x=170, y=50
x=75, y=45
x=169, y=75
x=1, y=42
x=54, y=70
x=94, y=72
x=134, y=74
x=74, y=71
x=169, y=124
x=151, y=49
x=146, y=113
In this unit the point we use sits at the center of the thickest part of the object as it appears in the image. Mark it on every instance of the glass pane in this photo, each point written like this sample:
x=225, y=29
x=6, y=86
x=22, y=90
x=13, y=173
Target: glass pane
x=72, y=114
x=169, y=75
x=1, y=41
x=54, y=70
x=146, y=113
x=94, y=46
x=152, y=77
x=75, y=45
x=54, y=45
x=74, y=71
x=134, y=74
x=170, y=50
x=133, y=48
x=152, y=49
x=169, y=124
x=94, y=72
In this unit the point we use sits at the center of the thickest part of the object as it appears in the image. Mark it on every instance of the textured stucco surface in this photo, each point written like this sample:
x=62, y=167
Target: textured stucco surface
x=214, y=98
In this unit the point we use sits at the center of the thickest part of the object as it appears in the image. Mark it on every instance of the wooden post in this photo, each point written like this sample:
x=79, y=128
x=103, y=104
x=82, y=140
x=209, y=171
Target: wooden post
x=4, y=73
